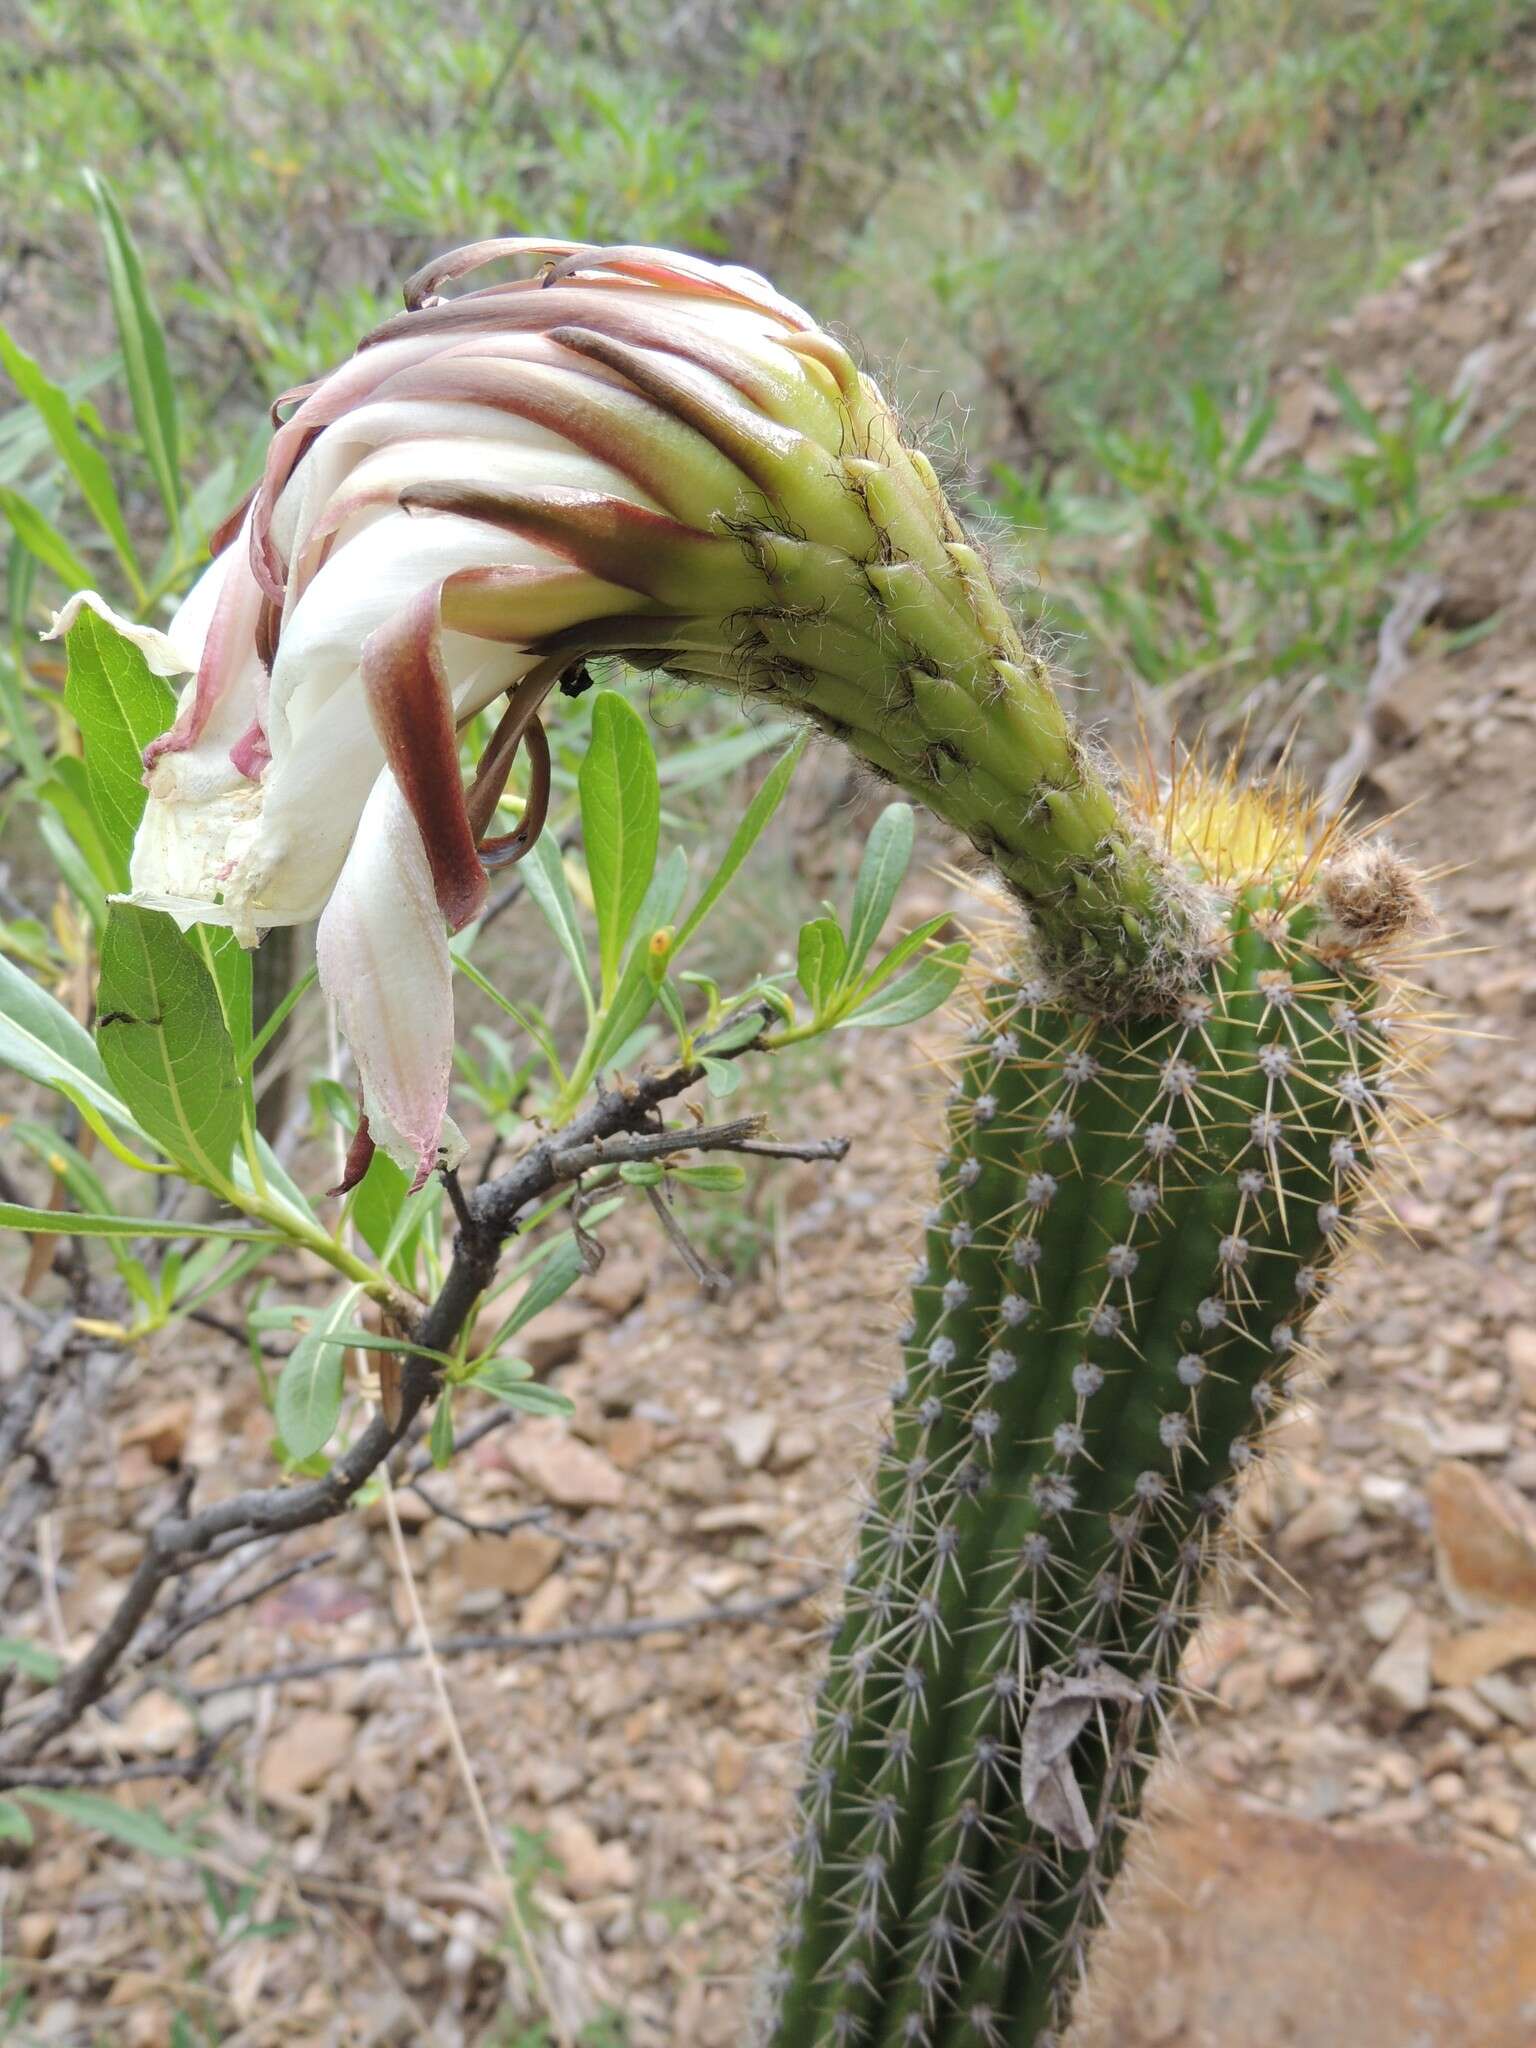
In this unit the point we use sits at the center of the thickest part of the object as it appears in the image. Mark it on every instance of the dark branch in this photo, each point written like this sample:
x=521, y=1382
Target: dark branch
x=487, y=1218
x=527, y=1645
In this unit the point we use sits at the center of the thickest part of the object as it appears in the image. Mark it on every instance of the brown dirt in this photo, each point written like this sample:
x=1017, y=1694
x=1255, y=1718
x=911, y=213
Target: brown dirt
x=657, y=1772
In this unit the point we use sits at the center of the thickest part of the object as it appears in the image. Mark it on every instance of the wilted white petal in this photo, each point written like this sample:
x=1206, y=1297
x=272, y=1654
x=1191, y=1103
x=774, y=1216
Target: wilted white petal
x=168, y=654
x=383, y=957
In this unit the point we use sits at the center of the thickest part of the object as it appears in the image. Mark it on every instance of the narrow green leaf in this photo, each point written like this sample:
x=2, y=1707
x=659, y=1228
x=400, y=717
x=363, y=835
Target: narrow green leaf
x=41, y=538
x=899, y=955
x=78, y=874
x=84, y=463
x=39, y=1038
x=620, y=823
x=69, y=1223
x=32, y=1658
x=554, y=1277
x=928, y=984
x=744, y=838
x=721, y=1077
x=307, y=1405
x=544, y=875
x=68, y=794
x=145, y=363
x=511, y=1380
x=534, y=1399
x=713, y=1176
x=886, y=857
x=164, y=1042
x=144, y=1832
x=14, y=1823
x=119, y=706
x=642, y=1173
x=823, y=951
x=231, y=969
x=440, y=1436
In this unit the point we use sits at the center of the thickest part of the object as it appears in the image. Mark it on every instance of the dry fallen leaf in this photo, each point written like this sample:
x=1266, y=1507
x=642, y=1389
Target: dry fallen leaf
x=1061, y=1709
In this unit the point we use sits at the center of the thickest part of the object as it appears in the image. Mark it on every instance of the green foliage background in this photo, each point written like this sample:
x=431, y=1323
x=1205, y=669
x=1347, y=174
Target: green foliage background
x=1055, y=219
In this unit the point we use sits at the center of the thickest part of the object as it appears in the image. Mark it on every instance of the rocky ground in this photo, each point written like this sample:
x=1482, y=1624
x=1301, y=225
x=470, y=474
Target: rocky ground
x=1357, y=1780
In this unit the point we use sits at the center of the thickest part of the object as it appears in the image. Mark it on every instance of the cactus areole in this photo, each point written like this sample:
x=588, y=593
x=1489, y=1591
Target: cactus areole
x=1160, y=1125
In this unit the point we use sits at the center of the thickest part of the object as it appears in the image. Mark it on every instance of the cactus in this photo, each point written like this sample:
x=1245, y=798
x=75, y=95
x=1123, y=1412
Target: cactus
x=1134, y=1221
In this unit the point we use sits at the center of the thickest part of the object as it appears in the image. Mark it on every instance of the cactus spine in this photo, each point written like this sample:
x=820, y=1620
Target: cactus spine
x=1135, y=1218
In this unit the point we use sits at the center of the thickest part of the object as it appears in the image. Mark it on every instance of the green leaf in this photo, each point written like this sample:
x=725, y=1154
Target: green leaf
x=900, y=954
x=231, y=969
x=721, y=1077
x=39, y=1038
x=713, y=1177
x=163, y=1039
x=545, y=878
x=67, y=1223
x=119, y=706
x=554, y=1277
x=533, y=1399
x=744, y=838
x=145, y=364
x=642, y=1173
x=31, y=1658
x=144, y=1832
x=14, y=1824
x=440, y=1436
x=620, y=823
x=511, y=1380
x=307, y=1405
x=84, y=463
x=886, y=857
x=68, y=794
x=40, y=537
x=823, y=951
x=914, y=994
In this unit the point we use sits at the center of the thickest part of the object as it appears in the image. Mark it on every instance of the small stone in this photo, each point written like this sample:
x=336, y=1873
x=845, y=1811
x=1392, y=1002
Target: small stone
x=1383, y=1613
x=1384, y=1496
x=1399, y=1679
x=630, y=1441
x=1328, y=1514
x=618, y=1285
x=555, y=1335
x=553, y=1462
x=304, y=1754
x=1520, y=1357
x=1476, y=1439
x=1297, y=1665
x=35, y=1934
x=737, y=1517
x=1501, y=1817
x=162, y=1433
x=588, y=1867
x=1465, y=1706
x=1243, y=1686
x=545, y=1606
x=1410, y=1435
x=155, y=1725
x=1478, y=1652
x=1447, y=1788
x=514, y=1563
x=1485, y=1543
x=750, y=1437
x=1523, y=1756
x=1512, y=1702
x=792, y=1448
x=730, y=1767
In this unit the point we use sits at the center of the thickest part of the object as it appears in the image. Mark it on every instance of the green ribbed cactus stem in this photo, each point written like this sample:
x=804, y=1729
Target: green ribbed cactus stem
x=1135, y=1220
